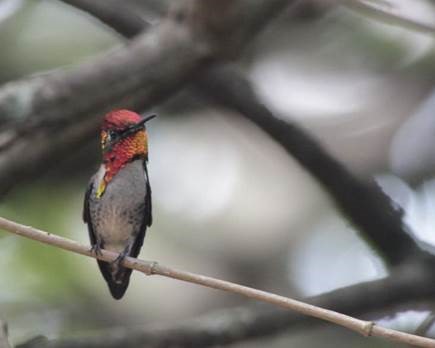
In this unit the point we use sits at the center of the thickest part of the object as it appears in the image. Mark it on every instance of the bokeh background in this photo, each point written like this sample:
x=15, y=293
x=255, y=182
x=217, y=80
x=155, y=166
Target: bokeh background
x=228, y=201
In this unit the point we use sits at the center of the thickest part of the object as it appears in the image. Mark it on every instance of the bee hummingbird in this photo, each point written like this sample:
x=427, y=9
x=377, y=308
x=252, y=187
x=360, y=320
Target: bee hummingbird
x=117, y=207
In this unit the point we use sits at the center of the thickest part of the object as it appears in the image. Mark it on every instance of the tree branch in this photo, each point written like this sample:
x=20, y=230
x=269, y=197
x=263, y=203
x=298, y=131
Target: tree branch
x=404, y=288
x=366, y=328
x=147, y=70
x=114, y=15
x=363, y=203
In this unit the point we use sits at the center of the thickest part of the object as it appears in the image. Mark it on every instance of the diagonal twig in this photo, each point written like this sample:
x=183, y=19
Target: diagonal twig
x=366, y=328
x=227, y=326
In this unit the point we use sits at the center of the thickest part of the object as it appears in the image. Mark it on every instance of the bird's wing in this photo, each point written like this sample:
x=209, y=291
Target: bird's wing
x=147, y=219
x=86, y=212
x=148, y=203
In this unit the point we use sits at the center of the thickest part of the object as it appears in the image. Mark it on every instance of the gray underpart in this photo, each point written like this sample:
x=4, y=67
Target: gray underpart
x=117, y=216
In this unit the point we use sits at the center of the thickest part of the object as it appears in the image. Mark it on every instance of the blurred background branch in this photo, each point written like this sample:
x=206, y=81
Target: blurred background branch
x=40, y=110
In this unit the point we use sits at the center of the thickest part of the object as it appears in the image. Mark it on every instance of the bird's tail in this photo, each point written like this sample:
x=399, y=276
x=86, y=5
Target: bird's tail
x=116, y=276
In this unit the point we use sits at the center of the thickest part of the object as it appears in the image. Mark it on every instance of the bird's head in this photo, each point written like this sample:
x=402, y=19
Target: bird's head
x=124, y=132
x=123, y=139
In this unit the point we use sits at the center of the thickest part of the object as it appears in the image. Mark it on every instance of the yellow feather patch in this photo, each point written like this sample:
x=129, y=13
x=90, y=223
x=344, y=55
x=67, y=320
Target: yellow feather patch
x=101, y=188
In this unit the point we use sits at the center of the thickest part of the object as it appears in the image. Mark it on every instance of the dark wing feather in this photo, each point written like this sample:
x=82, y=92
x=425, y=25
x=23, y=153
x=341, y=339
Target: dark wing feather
x=147, y=217
x=87, y=213
x=148, y=203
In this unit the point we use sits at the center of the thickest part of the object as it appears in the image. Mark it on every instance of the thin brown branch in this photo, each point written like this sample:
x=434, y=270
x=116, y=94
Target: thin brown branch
x=405, y=287
x=366, y=328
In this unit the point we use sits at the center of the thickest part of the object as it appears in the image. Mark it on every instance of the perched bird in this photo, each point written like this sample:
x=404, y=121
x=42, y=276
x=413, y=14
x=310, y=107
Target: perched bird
x=117, y=207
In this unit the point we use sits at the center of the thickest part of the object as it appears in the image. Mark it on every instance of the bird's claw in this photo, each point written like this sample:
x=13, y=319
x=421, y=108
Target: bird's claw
x=120, y=258
x=96, y=249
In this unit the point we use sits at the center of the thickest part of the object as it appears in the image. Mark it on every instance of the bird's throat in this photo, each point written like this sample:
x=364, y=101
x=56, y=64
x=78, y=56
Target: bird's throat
x=123, y=152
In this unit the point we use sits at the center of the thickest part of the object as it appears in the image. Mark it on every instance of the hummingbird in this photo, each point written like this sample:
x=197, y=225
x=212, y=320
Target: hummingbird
x=117, y=206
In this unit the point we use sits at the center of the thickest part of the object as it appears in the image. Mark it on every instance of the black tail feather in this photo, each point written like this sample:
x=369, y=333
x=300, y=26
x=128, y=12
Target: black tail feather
x=118, y=283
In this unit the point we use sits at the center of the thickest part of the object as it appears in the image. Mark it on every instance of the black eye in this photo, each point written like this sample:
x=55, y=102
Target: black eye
x=112, y=135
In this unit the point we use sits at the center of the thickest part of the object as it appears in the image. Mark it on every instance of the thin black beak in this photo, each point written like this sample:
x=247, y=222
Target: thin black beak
x=146, y=119
x=134, y=128
x=128, y=131
x=142, y=122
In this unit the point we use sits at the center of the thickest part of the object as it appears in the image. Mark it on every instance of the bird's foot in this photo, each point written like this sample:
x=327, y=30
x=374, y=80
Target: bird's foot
x=96, y=249
x=120, y=258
